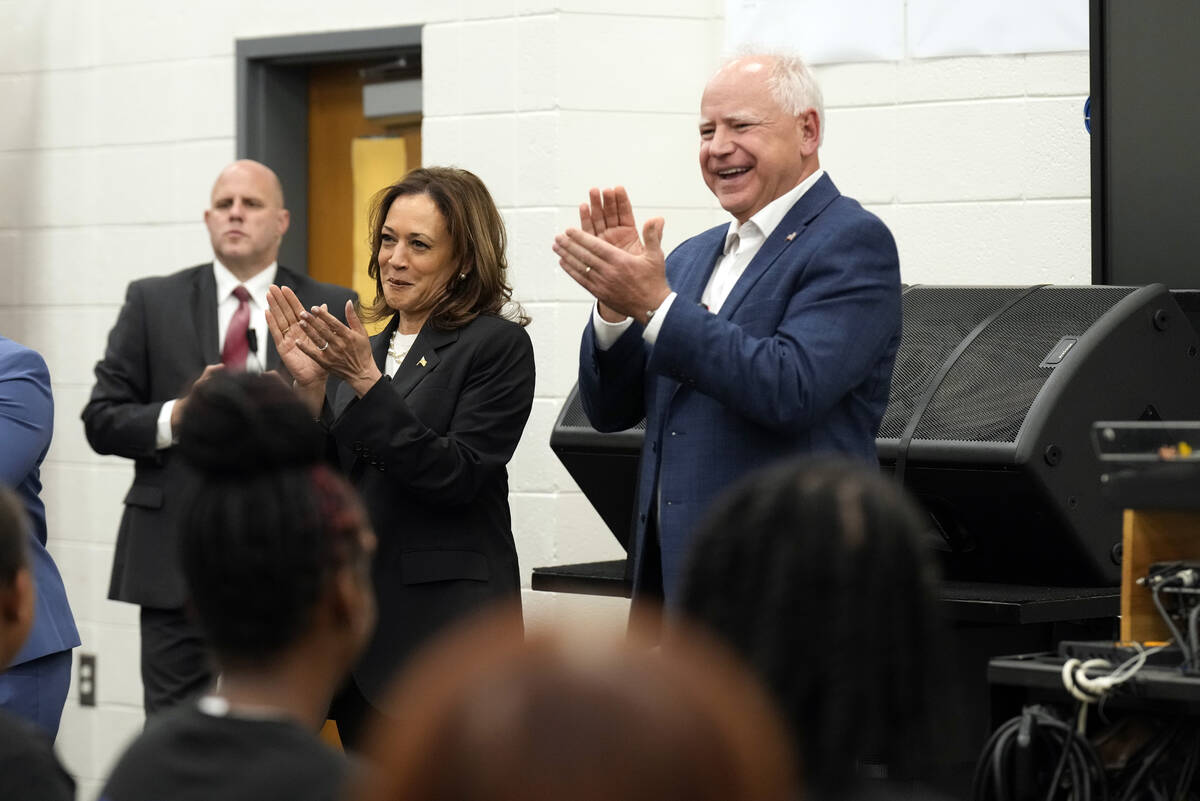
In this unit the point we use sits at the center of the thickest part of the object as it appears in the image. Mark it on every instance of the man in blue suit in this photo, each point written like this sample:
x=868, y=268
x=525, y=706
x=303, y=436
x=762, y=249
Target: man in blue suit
x=770, y=336
x=35, y=685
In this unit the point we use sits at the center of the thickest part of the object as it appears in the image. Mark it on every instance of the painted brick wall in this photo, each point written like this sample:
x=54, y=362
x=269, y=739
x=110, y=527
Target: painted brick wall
x=979, y=165
x=118, y=114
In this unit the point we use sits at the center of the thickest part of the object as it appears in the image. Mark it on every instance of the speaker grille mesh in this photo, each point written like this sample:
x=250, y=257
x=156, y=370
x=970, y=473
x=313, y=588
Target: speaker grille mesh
x=573, y=416
x=987, y=394
x=936, y=320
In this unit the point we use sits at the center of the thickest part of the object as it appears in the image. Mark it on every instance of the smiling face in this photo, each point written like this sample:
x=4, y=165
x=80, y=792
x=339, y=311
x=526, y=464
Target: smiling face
x=246, y=220
x=751, y=150
x=416, y=259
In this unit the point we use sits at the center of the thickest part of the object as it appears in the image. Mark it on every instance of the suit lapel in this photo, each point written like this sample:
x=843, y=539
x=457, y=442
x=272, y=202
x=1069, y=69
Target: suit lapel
x=692, y=283
x=380, y=342
x=789, y=231
x=422, y=358
x=203, y=305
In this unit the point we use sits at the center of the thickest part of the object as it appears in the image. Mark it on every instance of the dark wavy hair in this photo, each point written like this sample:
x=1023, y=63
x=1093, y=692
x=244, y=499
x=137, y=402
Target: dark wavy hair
x=267, y=523
x=817, y=573
x=477, y=238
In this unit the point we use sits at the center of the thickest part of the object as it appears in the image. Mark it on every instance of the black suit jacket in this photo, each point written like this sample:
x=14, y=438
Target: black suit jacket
x=164, y=337
x=428, y=451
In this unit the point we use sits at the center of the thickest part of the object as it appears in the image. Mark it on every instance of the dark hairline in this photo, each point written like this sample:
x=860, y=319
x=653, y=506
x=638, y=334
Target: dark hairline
x=437, y=183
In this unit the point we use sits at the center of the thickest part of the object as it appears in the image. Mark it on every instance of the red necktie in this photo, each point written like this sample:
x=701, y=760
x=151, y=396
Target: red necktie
x=237, y=348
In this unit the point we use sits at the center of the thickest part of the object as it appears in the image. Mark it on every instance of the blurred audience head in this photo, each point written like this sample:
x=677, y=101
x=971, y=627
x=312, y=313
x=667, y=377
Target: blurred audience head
x=274, y=545
x=488, y=716
x=16, y=579
x=817, y=573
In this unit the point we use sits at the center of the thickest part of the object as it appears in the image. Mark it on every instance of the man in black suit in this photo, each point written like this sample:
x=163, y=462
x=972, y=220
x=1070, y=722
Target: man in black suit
x=173, y=332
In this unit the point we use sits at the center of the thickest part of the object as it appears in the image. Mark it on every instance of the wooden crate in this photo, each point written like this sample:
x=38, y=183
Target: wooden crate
x=1151, y=536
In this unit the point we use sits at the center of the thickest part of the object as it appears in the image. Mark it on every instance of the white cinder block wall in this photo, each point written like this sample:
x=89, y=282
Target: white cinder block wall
x=116, y=117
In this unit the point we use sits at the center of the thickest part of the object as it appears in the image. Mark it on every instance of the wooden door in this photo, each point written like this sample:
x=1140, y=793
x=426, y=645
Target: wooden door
x=336, y=235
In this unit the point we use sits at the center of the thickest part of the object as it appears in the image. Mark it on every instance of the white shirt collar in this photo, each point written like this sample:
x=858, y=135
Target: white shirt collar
x=256, y=285
x=767, y=219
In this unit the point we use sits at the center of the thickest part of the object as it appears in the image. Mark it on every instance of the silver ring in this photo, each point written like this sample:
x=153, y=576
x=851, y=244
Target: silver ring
x=587, y=269
x=323, y=347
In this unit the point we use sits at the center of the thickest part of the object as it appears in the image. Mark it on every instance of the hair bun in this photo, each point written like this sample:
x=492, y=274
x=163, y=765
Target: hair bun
x=239, y=425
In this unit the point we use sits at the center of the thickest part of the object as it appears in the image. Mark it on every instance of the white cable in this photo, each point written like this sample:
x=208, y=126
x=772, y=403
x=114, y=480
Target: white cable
x=1091, y=689
x=1075, y=680
x=1100, y=684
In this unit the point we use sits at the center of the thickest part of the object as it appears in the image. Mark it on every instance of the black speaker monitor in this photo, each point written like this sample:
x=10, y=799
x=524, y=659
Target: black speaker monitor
x=604, y=466
x=994, y=394
x=992, y=400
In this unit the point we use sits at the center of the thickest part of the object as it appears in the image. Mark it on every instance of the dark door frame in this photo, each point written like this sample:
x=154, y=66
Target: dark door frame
x=272, y=106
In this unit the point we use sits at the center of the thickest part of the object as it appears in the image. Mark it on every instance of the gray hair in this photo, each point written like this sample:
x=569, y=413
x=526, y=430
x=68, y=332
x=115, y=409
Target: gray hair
x=789, y=81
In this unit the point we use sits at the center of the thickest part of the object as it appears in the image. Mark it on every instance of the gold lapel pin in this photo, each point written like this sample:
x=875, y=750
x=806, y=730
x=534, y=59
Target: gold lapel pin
x=422, y=362
x=791, y=236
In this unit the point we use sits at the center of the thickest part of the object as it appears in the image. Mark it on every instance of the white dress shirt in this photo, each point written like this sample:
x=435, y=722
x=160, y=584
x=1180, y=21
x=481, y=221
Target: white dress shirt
x=227, y=303
x=398, y=348
x=742, y=243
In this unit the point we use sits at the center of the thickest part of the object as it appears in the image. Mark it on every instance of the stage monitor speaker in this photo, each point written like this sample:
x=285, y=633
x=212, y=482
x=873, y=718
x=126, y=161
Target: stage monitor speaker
x=604, y=466
x=994, y=393
x=993, y=396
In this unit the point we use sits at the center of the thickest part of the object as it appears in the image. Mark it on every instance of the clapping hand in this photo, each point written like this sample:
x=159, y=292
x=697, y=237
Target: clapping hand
x=283, y=321
x=625, y=273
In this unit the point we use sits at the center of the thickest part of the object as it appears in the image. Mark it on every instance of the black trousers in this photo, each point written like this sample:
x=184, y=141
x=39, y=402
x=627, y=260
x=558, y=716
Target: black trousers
x=649, y=578
x=646, y=606
x=176, y=666
x=354, y=714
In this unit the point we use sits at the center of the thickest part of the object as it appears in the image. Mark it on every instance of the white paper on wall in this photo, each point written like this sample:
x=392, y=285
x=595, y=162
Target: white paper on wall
x=987, y=27
x=819, y=30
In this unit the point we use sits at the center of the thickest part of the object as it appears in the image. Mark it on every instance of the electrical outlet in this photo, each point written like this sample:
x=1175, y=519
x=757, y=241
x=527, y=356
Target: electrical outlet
x=87, y=679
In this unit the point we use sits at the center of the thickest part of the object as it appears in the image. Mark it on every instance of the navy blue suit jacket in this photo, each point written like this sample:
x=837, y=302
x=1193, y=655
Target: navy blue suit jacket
x=798, y=360
x=26, y=426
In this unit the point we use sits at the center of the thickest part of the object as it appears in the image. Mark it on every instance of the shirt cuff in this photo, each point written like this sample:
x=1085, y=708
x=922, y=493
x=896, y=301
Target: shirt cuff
x=607, y=333
x=164, y=438
x=652, y=327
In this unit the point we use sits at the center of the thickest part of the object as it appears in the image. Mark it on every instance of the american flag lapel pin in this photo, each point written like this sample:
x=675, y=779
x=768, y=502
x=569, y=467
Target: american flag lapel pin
x=790, y=236
x=422, y=361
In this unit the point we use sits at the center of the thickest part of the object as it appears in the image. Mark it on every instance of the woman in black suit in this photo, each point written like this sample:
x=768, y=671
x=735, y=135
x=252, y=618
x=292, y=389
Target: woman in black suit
x=425, y=415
